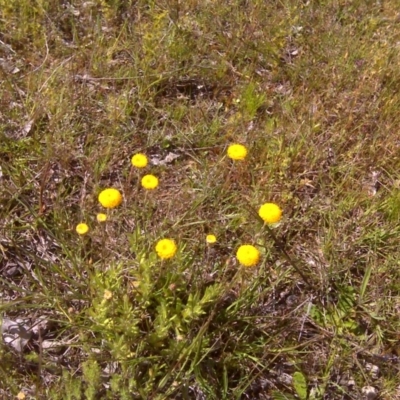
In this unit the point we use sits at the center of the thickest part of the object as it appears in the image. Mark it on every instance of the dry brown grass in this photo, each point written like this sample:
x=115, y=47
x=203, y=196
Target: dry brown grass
x=311, y=88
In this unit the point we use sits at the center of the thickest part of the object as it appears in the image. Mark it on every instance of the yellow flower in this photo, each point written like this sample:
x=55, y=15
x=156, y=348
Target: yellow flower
x=149, y=182
x=248, y=255
x=270, y=213
x=21, y=396
x=166, y=248
x=107, y=294
x=101, y=217
x=139, y=160
x=82, y=229
x=210, y=239
x=110, y=198
x=237, y=152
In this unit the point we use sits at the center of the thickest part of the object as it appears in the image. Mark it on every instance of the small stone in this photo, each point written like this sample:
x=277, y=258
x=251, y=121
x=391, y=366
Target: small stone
x=12, y=271
x=111, y=368
x=291, y=300
x=51, y=344
x=168, y=159
x=285, y=378
x=351, y=382
x=41, y=326
x=16, y=333
x=369, y=392
x=373, y=369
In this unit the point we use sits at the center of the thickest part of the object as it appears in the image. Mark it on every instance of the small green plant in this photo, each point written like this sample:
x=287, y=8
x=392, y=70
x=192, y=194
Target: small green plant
x=300, y=385
x=92, y=376
x=340, y=315
x=251, y=100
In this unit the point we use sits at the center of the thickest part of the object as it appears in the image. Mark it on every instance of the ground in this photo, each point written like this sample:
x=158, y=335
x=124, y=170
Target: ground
x=310, y=88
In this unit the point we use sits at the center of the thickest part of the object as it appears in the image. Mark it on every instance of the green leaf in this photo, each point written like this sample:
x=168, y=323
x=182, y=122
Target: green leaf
x=346, y=299
x=282, y=396
x=300, y=385
x=365, y=281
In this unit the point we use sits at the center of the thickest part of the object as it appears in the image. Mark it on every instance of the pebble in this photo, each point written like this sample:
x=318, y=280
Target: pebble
x=373, y=370
x=369, y=393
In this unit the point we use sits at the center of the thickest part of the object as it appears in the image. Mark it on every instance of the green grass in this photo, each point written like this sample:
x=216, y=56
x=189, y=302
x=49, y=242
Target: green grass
x=312, y=90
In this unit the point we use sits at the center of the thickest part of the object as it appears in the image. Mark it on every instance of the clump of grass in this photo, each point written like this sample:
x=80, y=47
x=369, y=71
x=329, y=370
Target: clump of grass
x=195, y=118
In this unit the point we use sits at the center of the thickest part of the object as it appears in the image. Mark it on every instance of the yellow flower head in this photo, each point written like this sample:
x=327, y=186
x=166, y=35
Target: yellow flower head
x=248, y=255
x=21, y=396
x=270, y=213
x=210, y=239
x=166, y=248
x=110, y=198
x=139, y=160
x=107, y=294
x=149, y=182
x=82, y=228
x=237, y=152
x=101, y=217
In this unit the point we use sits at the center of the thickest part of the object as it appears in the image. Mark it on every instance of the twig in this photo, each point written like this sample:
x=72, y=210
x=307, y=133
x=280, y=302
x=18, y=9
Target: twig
x=288, y=258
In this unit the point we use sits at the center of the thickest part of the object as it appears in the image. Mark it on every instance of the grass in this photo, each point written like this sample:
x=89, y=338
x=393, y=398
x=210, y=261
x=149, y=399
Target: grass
x=312, y=90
